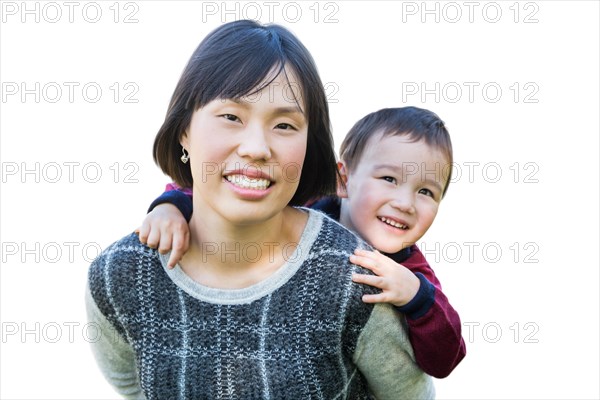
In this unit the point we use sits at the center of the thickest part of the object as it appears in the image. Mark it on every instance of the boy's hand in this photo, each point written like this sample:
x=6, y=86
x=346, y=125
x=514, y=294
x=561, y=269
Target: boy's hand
x=166, y=229
x=398, y=284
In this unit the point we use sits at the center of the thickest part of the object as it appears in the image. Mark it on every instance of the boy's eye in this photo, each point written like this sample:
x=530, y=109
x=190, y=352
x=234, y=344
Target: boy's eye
x=426, y=192
x=230, y=117
x=389, y=179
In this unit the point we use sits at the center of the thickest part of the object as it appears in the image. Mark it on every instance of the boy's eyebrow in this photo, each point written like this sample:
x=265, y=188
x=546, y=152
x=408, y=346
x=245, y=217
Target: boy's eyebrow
x=388, y=166
x=434, y=183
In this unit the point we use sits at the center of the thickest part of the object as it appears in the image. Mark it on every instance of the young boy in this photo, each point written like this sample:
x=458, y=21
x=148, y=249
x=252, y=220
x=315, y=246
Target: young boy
x=395, y=169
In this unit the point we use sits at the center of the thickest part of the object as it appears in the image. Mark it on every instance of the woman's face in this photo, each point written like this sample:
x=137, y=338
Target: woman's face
x=246, y=154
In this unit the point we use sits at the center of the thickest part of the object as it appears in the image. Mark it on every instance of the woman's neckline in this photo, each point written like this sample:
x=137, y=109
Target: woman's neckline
x=251, y=293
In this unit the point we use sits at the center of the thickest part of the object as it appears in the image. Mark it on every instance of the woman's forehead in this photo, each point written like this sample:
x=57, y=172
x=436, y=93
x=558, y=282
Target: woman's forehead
x=280, y=85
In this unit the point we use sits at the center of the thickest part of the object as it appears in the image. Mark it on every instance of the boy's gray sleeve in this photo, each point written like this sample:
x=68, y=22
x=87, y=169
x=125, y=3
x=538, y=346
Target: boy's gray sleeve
x=386, y=359
x=114, y=355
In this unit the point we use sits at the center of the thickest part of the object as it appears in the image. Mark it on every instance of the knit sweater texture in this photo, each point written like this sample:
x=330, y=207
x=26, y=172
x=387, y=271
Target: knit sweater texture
x=302, y=333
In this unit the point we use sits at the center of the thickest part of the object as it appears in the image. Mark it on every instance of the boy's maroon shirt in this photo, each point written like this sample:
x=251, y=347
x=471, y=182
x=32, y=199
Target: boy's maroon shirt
x=434, y=325
x=435, y=336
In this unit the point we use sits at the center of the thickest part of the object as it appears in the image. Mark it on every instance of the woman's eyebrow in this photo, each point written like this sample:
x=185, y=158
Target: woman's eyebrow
x=277, y=110
x=288, y=110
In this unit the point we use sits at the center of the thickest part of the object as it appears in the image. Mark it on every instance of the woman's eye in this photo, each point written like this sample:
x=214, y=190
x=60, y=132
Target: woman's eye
x=284, y=126
x=230, y=117
x=389, y=179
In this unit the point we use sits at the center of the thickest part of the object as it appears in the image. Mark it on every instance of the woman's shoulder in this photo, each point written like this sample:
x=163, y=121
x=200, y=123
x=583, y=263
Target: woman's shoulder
x=128, y=248
x=333, y=235
x=332, y=248
x=117, y=265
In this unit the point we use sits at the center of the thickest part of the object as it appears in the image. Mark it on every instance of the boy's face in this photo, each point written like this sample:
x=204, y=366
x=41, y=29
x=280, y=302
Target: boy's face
x=393, y=192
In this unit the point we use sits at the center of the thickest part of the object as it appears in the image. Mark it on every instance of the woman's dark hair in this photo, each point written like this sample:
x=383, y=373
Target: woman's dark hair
x=231, y=62
x=416, y=123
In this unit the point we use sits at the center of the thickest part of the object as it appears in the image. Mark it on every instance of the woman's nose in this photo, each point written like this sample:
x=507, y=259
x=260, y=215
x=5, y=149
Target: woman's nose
x=254, y=144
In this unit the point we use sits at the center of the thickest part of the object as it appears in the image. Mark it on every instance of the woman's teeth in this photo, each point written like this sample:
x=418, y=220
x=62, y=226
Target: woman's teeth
x=393, y=223
x=248, y=183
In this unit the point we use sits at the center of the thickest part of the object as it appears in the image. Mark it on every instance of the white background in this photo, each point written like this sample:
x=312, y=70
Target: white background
x=516, y=240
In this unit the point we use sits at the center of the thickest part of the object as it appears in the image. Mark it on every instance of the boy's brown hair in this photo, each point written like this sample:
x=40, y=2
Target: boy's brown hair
x=416, y=123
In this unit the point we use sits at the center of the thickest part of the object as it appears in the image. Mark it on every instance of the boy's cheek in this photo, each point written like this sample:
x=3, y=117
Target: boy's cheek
x=428, y=217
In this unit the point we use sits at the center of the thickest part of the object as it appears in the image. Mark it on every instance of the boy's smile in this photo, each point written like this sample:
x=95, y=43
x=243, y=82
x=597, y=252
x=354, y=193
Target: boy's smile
x=393, y=193
x=396, y=223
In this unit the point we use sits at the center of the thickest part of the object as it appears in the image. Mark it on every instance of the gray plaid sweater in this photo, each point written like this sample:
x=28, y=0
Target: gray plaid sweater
x=302, y=333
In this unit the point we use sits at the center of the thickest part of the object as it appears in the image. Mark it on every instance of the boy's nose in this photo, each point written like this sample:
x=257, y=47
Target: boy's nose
x=254, y=144
x=404, y=204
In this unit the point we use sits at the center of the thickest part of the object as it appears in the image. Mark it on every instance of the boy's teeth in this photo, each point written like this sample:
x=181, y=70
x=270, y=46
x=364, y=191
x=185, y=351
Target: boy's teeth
x=248, y=183
x=393, y=223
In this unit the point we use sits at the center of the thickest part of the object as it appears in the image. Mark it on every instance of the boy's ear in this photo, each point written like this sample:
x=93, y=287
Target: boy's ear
x=342, y=193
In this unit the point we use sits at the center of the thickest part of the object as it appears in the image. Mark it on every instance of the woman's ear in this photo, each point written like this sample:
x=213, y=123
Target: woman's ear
x=183, y=140
x=342, y=193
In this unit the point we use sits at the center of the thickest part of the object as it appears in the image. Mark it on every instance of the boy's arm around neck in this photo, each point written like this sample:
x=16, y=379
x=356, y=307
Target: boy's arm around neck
x=180, y=198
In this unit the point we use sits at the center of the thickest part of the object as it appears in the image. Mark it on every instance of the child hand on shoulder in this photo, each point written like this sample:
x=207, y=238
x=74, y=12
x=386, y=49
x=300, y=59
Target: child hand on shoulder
x=166, y=229
x=398, y=284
